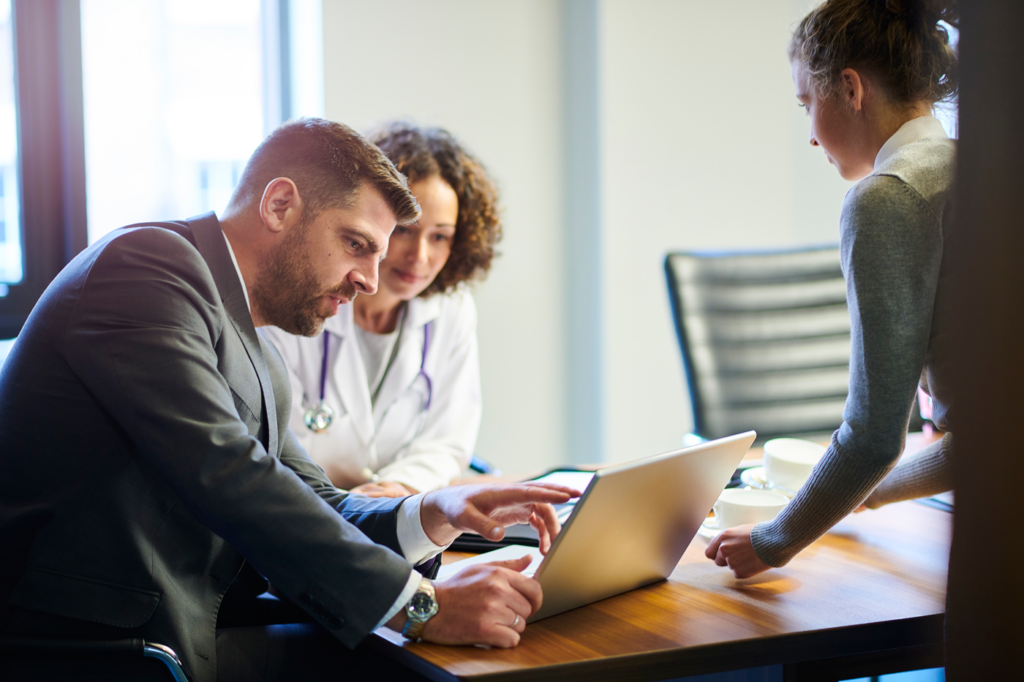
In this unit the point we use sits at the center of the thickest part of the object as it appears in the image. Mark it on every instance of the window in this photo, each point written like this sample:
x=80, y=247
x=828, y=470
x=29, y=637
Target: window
x=948, y=112
x=173, y=108
x=148, y=108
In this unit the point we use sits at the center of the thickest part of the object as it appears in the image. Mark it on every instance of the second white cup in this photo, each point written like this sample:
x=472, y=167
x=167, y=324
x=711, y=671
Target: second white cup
x=788, y=462
x=738, y=506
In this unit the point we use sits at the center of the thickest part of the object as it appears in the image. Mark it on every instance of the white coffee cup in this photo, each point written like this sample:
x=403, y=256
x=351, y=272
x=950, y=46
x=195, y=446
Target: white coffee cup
x=788, y=462
x=737, y=506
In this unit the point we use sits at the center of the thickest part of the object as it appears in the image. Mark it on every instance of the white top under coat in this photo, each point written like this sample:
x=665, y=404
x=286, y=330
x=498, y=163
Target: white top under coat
x=376, y=350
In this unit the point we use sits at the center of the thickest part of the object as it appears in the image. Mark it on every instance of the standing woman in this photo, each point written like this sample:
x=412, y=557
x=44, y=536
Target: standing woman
x=387, y=399
x=869, y=73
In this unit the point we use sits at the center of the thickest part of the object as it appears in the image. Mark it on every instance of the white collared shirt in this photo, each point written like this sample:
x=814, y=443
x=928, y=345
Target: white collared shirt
x=416, y=546
x=913, y=130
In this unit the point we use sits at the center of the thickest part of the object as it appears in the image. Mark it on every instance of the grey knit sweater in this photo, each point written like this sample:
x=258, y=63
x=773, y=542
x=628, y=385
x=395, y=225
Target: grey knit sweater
x=893, y=229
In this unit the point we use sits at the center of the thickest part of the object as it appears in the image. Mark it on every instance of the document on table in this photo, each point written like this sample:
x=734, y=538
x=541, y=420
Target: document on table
x=503, y=554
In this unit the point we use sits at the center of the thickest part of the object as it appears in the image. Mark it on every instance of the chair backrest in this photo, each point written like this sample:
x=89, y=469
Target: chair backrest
x=765, y=339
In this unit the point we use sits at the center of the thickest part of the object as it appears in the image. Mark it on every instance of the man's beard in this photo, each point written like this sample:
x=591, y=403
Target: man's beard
x=287, y=292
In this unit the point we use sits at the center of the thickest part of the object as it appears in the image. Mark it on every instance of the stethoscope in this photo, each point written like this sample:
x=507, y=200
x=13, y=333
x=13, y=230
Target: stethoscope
x=320, y=417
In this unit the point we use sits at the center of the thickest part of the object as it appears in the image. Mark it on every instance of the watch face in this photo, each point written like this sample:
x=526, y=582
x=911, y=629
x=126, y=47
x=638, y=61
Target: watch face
x=422, y=605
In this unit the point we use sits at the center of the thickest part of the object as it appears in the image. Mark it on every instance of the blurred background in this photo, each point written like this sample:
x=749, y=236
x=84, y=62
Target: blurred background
x=617, y=131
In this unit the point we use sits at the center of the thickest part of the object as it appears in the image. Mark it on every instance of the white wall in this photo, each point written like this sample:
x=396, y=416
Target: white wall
x=488, y=72
x=704, y=148
x=701, y=146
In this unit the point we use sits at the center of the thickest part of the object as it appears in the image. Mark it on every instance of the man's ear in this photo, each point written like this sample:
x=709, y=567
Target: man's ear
x=852, y=89
x=281, y=205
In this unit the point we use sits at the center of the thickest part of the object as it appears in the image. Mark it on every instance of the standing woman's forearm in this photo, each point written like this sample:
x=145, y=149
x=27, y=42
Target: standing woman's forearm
x=892, y=252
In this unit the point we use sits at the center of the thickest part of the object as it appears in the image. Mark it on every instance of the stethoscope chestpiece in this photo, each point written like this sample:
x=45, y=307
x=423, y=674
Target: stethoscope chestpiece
x=318, y=418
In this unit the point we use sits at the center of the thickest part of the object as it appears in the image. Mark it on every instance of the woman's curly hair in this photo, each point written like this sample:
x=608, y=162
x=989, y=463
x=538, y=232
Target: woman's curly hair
x=421, y=153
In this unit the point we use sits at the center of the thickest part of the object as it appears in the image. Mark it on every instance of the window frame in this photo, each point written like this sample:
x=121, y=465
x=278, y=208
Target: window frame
x=51, y=149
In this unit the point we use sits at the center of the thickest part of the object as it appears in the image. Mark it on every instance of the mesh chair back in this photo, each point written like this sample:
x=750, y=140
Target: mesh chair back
x=765, y=339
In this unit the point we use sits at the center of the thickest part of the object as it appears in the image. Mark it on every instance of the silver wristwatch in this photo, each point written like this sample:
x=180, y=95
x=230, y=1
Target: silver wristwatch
x=421, y=608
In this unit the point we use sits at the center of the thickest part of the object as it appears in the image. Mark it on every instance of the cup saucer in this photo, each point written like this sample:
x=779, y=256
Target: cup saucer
x=708, y=532
x=757, y=477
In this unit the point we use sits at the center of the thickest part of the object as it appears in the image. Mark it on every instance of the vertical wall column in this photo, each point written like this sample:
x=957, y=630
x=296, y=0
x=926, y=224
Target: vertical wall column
x=584, y=320
x=276, y=64
x=69, y=30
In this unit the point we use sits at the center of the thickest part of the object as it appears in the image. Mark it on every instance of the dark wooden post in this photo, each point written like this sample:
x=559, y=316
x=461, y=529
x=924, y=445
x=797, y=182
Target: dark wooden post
x=985, y=615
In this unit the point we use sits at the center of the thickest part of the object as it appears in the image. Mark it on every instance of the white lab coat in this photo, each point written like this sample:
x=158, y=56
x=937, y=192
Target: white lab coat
x=383, y=438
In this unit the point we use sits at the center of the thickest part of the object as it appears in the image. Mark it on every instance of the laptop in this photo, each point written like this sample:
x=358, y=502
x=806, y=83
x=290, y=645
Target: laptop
x=629, y=528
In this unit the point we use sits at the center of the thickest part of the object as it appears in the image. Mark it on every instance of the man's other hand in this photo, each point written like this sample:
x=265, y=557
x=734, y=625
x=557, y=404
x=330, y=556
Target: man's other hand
x=487, y=509
x=484, y=604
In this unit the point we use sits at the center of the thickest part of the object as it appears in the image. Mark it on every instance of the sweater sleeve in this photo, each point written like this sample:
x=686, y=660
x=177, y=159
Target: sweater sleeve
x=891, y=244
x=920, y=474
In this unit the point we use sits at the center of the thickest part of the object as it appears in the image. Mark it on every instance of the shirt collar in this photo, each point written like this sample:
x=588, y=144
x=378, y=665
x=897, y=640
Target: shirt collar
x=238, y=271
x=913, y=130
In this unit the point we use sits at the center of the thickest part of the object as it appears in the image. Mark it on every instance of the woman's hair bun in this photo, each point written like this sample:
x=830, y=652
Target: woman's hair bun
x=932, y=11
x=899, y=42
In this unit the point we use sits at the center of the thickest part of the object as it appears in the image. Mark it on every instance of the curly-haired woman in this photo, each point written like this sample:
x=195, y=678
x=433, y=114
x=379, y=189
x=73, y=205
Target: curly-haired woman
x=387, y=399
x=868, y=73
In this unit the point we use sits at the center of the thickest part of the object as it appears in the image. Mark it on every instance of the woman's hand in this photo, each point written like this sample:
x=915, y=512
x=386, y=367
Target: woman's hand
x=383, y=489
x=733, y=548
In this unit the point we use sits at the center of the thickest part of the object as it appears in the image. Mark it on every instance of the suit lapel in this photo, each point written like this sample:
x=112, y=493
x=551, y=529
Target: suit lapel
x=210, y=242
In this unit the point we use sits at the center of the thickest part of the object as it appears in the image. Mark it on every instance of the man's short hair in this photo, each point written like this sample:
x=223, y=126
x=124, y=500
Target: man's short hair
x=328, y=162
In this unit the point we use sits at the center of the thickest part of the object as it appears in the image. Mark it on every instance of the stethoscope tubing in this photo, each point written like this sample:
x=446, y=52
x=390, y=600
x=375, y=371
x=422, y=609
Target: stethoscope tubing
x=325, y=365
x=423, y=363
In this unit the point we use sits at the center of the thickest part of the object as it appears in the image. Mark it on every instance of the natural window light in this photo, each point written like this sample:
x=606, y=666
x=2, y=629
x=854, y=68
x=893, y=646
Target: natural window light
x=174, y=105
x=948, y=112
x=11, y=257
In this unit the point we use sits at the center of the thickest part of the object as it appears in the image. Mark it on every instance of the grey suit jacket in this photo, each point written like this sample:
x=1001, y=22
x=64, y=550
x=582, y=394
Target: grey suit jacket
x=145, y=455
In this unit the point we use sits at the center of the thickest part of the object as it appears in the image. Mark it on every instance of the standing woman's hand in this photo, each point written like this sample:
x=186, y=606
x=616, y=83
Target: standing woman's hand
x=733, y=548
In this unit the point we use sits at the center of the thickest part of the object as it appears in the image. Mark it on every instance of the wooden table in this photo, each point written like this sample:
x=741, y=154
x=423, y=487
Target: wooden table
x=868, y=598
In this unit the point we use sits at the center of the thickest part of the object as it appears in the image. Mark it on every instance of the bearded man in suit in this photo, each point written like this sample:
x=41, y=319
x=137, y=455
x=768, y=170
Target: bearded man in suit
x=146, y=467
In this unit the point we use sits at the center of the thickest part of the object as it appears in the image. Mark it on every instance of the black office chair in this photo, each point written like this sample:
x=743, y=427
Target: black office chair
x=765, y=339
x=91, y=650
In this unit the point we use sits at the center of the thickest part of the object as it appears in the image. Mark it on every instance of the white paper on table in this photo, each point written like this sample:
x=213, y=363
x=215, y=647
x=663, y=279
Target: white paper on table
x=502, y=554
